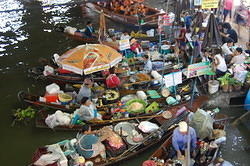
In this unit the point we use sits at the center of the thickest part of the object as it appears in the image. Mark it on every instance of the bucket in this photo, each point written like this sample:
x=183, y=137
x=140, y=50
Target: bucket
x=213, y=86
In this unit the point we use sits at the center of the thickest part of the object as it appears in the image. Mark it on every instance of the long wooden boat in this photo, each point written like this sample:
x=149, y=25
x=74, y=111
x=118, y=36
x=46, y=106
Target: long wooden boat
x=33, y=99
x=198, y=102
x=150, y=20
x=83, y=39
x=148, y=141
x=71, y=78
x=161, y=154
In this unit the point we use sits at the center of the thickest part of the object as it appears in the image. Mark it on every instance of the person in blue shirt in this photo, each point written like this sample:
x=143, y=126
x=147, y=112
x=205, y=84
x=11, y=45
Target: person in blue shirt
x=180, y=140
x=89, y=30
x=188, y=21
x=229, y=32
x=89, y=143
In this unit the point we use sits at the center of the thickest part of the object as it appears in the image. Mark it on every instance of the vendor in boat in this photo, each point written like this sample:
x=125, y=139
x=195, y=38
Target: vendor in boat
x=180, y=138
x=135, y=46
x=125, y=36
x=85, y=90
x=89, y=144
x=148, y=64
x=89, y=30
x=86, y=112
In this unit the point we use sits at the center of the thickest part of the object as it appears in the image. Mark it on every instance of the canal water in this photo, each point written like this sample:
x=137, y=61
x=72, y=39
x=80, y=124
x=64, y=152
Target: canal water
x=26, y=35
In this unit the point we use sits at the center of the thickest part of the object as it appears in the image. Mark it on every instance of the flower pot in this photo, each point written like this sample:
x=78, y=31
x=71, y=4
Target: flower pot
x=225, y=88
x=230, y=88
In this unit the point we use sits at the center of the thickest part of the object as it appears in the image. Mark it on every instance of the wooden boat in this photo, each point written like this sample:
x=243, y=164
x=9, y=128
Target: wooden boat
x=71, y=78
x=83, y=39
x=33, y=99
x=42, y=115
x=151, y=20
x=163, y=151
x=148, y=141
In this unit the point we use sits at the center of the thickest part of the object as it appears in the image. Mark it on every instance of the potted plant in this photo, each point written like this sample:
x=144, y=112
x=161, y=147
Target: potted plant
x=248, y=78
x=224, y=82
x=236, y=84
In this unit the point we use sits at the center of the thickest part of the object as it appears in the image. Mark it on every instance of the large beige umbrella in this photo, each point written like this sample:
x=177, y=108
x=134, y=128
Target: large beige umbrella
x=89, y=58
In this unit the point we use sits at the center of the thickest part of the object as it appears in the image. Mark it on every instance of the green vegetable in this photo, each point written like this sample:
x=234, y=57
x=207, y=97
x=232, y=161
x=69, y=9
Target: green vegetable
x=23, y=115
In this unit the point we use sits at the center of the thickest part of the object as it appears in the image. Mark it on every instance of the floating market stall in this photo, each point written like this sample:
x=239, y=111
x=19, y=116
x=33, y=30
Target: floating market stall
x=133, y=140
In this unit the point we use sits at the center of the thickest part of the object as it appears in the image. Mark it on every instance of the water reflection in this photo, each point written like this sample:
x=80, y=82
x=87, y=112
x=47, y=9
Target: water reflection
x=59, y=13
x=10, y=23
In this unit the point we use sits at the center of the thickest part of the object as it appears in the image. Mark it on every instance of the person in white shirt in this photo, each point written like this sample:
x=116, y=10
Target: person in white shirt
x=239, y=57
x=125, y=36
x=219, y=63
x=148, y=65
x=226, y=49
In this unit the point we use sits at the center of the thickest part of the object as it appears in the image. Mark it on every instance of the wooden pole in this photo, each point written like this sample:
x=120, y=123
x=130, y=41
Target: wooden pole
x=240, y=118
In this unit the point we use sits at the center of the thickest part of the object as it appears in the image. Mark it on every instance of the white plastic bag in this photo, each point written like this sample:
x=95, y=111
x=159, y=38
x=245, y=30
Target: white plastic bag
x=58, y=119
x=156, y=75
x=52, y=88
x=47, y=159
x=141, y=95
x=62, y=118
x=148, y=127
x=48, y=70
x=51, y=121
x=70, y=30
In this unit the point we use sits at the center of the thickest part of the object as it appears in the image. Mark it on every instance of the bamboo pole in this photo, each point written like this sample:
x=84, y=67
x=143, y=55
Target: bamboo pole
x=241, y=117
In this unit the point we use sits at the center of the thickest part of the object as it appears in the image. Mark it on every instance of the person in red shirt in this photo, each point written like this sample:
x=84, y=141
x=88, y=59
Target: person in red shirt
x=112, y=81
x=182, y=37
x=135, y=46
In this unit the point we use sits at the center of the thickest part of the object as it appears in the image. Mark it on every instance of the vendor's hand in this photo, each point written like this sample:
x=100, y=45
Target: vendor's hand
x=179, y=154
x=182, y=157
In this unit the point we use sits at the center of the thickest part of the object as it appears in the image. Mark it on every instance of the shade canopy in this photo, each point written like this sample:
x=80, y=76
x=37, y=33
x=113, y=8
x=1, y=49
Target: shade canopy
x=89, y=58
x=212, y=38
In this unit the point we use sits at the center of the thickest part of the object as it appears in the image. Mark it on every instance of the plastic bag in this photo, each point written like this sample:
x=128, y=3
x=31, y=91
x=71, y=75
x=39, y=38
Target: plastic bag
x=156, y=75
x=58, y=119
x=202, y=122
x=48, y=70
x=141, y=95
x=47, y=159
x=70, y=30
x=148, y=127
x=51, y=121
x=62, y=118
x=52, y=88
